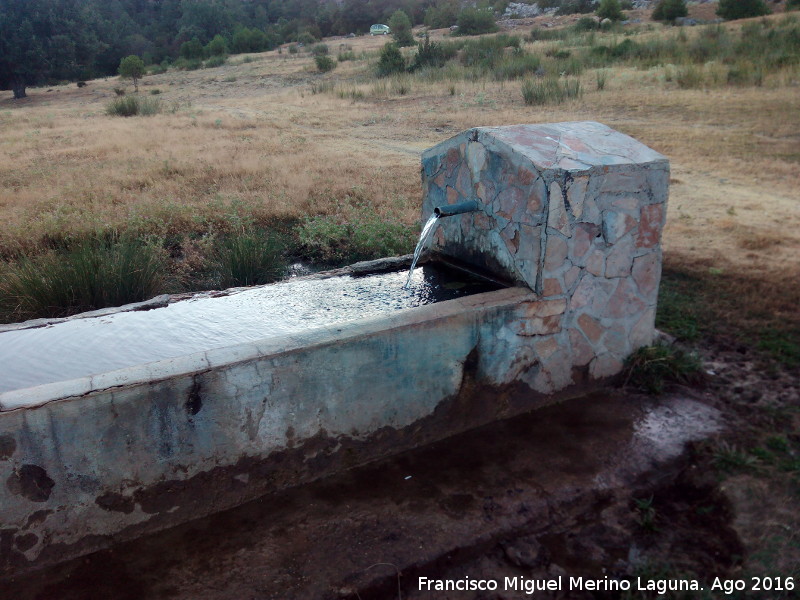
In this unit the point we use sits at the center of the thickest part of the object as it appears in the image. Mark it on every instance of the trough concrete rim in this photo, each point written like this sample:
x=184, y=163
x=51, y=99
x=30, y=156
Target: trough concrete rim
x=37, y=396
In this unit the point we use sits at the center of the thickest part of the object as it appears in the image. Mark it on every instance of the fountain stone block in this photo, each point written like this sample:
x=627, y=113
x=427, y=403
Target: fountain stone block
x=573, y=211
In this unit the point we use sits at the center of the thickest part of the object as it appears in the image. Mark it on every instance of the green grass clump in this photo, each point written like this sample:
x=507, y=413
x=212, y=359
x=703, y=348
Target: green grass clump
x=129, y=106
x=215, y=61
x=324, y=63
x=94, y=275
x=249, y=258
x=549, y=90
x=327, y=240
x=650, y=368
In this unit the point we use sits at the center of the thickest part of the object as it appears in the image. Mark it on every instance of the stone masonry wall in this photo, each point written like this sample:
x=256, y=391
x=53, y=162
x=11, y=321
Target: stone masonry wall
x=575, y=212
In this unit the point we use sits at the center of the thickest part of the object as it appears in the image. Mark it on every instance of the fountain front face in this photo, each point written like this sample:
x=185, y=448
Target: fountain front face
x=574, y=211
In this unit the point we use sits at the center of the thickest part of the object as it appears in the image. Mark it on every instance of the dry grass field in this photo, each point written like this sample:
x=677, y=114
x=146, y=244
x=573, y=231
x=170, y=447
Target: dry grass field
x=268, y=138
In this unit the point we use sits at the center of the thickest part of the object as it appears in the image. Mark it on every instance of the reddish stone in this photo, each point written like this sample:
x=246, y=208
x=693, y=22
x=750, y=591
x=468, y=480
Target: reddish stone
x=545, y=348
x=511, y=238
x=484, y=221
x=624, y=302
x=451, y=161
x=464, y=181
x=538, y=326
x=595, y=263
x=545, y=308
x=571, y=276
x=552, y=287
x=585, y=233
x=525, y=177
x=646, y=273
x=555, y=252
x=452, y=195
x=590, y=327
x=620, y=258
x=582, y=351
x=508, y=201
x=650, y=224
x=605, y=365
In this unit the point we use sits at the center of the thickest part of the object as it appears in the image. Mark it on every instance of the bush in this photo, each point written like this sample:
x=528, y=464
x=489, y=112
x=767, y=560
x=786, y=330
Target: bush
x=327, y=240
x=792, y=5
x=586, y=24
x=549, y=91
x=391, y=60
x=94, y=275
x=320, y=50
x=669, y=10
x=651, y=367
x=129, y=106
x=741, y=9
x=610, y=9
x=400, y=25
x=214, y=61
x=475, y=21
x=249, y=258
x=324, y=63
x=429, y=54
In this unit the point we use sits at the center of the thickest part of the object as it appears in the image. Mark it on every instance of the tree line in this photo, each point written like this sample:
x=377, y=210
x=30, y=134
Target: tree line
x=47, y=41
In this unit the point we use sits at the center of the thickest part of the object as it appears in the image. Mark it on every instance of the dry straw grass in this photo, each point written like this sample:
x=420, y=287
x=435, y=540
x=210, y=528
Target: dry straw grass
x=251, y=137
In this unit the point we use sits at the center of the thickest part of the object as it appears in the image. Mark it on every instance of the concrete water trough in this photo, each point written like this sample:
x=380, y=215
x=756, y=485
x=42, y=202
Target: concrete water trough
x=112, y=437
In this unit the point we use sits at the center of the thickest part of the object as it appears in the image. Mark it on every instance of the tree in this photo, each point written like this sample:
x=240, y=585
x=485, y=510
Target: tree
x=792, y=4
x=610, y=9
x=741, y=9
x=217, y=47
x=669, y=10
x=132, y=67
x=400, y=25
x=43, y=40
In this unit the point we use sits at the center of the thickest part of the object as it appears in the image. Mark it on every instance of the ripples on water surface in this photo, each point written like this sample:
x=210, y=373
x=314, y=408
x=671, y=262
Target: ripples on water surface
x=82, y=347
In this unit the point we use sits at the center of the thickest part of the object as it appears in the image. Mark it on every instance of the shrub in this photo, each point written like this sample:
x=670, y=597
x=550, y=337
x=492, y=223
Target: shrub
x=516, y=67
x=320, y=50
x=610, y=9
x=129, y=106
x=741, y=9
x=391, y=60
x=586, y=24
x=475, y=21
x=443, y=15
x=669, y=10
x=324, y=63
x=650, y=368
x=792, y=5
x=306, y=38
x=331, y=241
x=400, y=25
x=214, y=61
x=549, y=90
x=429, y=54
x=249, y=258
x=94, y=275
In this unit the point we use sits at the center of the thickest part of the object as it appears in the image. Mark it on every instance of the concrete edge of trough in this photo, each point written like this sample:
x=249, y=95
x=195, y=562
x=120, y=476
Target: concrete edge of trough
x=219, y=357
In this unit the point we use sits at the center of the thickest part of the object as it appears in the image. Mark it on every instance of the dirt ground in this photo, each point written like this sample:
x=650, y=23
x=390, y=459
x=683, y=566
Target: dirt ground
x=559, y=491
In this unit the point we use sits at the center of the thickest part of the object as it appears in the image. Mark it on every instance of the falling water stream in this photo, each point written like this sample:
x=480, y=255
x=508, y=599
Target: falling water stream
x=427, y=230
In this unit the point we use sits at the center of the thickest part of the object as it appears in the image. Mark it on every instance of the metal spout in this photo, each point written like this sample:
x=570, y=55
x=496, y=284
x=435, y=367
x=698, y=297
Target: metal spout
x=448, y=210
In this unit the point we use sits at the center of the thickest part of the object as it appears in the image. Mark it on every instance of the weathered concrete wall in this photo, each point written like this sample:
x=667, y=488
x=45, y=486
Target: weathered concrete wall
x=575, y=212
x=106, y=458
x=225, y=426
